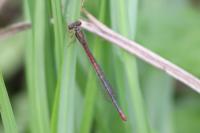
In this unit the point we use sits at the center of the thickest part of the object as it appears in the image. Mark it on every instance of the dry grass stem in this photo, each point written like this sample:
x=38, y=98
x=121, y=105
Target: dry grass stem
x=94, y=26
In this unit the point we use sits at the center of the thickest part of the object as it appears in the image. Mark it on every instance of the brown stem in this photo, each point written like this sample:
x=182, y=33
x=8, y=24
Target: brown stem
x=94, y=26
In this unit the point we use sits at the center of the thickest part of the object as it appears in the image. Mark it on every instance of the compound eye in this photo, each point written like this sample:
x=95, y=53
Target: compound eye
x=74, y=25
x=78, y=23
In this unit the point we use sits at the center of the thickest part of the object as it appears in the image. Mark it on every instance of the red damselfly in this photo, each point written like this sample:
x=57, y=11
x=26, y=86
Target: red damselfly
x=81, y=38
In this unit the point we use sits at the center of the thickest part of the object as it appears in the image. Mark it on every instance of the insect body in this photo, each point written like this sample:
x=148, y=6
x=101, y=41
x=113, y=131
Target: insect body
x=80, y=36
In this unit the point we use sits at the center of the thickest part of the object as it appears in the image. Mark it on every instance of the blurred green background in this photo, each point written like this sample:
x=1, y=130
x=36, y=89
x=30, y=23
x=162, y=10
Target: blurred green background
x=53, y=88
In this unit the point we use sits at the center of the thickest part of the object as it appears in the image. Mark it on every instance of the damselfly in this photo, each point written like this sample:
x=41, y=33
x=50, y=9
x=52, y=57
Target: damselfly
x=81, y=38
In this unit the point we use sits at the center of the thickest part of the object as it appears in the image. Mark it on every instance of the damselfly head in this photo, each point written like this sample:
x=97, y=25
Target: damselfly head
x=74, y=25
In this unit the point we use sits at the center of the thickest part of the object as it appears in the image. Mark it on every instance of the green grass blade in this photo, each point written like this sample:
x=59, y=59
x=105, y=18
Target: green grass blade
x=50, y=67
x=35, y=54
x=50, y=71
x=59, y=35
x=54, y=115
x=29, y=68
x=59, y=32
x=63, y=118
x=123, y=14
x=6, y=109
